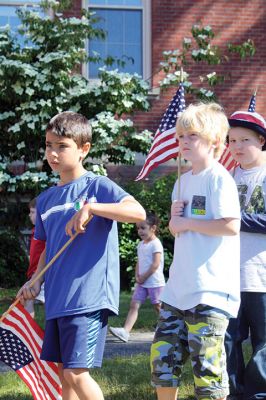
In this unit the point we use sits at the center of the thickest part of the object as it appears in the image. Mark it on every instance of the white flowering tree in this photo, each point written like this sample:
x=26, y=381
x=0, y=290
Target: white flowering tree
x=42, y=78
x=199, y=49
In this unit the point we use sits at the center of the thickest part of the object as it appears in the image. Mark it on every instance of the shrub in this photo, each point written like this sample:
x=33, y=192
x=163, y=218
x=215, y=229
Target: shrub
x=13, y=260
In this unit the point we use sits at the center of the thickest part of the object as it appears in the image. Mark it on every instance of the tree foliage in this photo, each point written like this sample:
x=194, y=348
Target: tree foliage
x=42, y=77
x=199, y=49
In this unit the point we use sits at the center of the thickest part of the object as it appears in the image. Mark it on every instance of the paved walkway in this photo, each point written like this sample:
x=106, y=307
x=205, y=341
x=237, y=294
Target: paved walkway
x=139, y=342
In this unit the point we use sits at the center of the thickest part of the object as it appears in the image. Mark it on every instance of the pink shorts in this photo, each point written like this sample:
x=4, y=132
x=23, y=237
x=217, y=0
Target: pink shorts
x=141, y=293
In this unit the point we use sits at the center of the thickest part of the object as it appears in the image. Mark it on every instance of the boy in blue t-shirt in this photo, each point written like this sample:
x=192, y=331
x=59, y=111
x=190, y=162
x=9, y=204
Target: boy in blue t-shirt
x=82, y=285
x=203, y=286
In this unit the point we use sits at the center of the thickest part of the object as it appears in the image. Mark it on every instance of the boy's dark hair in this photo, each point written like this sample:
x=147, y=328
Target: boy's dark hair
x=152, y=219
x=32, y=203
x=71, y=125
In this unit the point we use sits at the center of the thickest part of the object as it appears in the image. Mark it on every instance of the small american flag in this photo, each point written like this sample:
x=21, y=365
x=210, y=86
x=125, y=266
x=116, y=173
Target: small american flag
x=165, y=145
x=252, y=103
x=20, y=346
x=227, y=160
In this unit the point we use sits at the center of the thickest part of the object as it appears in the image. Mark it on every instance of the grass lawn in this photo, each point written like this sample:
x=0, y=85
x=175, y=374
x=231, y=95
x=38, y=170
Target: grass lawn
x=120, y=378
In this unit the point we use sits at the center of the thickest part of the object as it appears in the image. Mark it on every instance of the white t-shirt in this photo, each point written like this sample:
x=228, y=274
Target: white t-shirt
x=145, y=259
x=251, y=186
x=206, y=269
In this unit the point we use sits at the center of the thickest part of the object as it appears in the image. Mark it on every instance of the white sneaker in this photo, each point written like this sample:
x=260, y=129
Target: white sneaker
x=120, y=333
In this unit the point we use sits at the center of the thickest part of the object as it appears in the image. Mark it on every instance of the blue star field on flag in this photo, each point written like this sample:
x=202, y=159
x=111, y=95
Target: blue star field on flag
x=175, y=108
x=21, y=341
x=165, y=144
x=13, y=351
x=252, y=104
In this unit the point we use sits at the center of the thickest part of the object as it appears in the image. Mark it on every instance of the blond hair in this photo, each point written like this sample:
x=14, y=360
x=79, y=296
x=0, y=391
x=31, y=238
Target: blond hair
x=208, y=120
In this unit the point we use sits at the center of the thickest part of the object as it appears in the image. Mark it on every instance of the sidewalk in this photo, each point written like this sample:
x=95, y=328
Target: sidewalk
x=139, y=342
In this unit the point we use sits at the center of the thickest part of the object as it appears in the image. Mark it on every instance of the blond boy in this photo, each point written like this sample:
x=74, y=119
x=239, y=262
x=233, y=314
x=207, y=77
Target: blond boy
x=203, y=287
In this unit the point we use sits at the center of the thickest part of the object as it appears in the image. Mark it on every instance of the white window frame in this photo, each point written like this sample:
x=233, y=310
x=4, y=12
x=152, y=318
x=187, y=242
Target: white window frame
x=146, y=29
x=22, y=3
x=18, y=3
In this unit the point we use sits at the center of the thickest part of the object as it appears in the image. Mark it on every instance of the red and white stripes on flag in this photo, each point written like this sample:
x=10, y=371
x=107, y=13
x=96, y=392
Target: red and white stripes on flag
x=227, y=160
x=21, y=341
x=165, y=145
x=164, y=148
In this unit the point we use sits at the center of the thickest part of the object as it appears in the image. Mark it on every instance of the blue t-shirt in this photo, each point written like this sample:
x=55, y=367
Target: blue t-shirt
x=85, y=277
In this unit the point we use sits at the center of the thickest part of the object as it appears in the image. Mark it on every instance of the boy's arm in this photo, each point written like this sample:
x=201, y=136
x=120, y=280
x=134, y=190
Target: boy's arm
x=214, y=227
x=156, y=260
x=29, y=293
x=253, y=223
x=128, y=210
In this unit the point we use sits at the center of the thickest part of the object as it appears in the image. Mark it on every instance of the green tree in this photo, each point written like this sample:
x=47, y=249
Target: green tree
x=197, y=49
x=42, y=78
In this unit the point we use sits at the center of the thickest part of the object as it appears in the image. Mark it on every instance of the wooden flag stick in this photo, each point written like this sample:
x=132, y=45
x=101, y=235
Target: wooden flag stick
x=179, y=155
x=40, y=274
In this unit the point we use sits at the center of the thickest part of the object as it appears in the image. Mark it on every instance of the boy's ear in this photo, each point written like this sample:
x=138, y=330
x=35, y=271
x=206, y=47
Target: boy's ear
x=262, y=140
x=85, y=149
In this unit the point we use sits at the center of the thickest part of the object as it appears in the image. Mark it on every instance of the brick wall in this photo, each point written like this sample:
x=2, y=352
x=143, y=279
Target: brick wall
x=232, y=21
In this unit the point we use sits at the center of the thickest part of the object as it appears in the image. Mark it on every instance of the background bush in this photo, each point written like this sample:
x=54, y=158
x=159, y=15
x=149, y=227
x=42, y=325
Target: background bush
x=14, y=260
x=155, y=197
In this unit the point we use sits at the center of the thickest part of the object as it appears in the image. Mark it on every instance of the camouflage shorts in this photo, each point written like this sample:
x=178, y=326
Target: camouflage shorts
x=198, y=333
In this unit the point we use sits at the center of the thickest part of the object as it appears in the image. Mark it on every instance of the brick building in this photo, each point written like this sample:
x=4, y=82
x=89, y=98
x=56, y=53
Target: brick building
x=143, y=29
x=165, y=23
x=151, y=26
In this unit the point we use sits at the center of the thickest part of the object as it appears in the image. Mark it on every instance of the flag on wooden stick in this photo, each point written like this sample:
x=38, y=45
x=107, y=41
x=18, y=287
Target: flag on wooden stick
x=165, y=144
x=21, y=341
x=226, y=159
x=252, y=103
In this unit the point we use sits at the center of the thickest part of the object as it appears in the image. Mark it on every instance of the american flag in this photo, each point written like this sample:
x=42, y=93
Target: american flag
x=20, y=346
x=226, y=159
x=165, y=145
x=252, y=103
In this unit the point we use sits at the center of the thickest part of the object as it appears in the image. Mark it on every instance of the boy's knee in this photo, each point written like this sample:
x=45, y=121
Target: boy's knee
x=73, y=376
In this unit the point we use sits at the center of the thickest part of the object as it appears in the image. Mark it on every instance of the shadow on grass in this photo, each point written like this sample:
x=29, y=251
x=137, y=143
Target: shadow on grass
x=15, y=397
x=129, y=378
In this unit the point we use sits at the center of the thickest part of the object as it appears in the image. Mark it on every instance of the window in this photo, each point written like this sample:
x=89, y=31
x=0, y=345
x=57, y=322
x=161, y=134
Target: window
x=8, y=14
x=127, y=23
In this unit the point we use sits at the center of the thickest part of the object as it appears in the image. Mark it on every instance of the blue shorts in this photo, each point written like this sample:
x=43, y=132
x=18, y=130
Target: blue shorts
x=76, y=341
x=198, y=333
